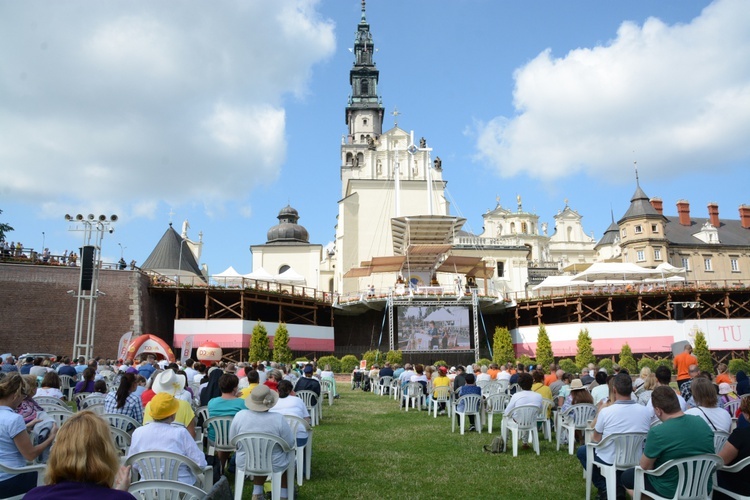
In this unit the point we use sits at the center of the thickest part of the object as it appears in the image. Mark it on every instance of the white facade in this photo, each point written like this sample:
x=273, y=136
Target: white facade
x=304, y=259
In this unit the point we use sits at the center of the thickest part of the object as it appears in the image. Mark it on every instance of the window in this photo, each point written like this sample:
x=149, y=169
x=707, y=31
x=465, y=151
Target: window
x=654, y=228
x=365, y=87
x=364, y=121
x=624, y=232
x=707, y=264
x=686, y=263
x=512, y=228
x=657, y=253
x=524, y=228
x=283, y=269
x=501, y=269
x=638, y=229
x=640, y=255
x=735, y=265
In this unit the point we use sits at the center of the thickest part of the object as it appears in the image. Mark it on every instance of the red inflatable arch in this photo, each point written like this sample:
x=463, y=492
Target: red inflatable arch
x=149, y=344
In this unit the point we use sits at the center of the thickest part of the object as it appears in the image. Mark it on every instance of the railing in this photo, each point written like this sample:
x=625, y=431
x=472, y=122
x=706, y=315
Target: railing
x=29, y=256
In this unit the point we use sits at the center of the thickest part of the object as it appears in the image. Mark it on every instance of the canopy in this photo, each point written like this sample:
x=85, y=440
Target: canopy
x=616, y=271
x=228, y=277
x=559, y=282
x=667, y=270
x=260, y=274
x=290, y=276
x=440, y=315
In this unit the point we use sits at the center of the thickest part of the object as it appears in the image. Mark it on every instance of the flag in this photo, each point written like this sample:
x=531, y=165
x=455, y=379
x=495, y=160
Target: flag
x=122, y=349
x=187, y=348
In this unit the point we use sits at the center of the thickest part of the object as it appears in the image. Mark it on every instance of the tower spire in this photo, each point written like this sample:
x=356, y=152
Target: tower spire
x=635, y=165
x=363, y=19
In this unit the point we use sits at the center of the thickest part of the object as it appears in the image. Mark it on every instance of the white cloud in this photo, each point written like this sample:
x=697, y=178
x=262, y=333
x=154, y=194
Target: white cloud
x=679, y=96
x=116, y=102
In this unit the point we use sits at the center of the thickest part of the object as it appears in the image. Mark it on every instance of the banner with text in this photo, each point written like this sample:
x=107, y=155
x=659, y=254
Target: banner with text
x=122, y=348
x=187, y=348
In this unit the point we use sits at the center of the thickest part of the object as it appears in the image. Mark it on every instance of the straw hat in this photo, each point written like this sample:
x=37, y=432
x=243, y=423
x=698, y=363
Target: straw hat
x=162, y=406
x=576, y=385
x=261, y=398
x=168, y=381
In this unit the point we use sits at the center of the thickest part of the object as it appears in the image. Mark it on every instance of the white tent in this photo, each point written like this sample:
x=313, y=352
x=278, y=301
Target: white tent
x=260, y=274
x=440, y=315
x=228, y=277
x=290, y=276
x=559, y=282
x=609, y=271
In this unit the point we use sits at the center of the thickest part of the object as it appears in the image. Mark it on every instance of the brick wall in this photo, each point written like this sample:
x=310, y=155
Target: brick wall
x=38, y=315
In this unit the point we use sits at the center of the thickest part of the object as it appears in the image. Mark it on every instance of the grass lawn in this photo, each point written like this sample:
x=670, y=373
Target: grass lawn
x=366, y=447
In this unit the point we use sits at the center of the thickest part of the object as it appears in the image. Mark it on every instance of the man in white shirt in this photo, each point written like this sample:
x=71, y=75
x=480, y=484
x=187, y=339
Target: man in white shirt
x=624, y=416
x=504, y=373
x=189, y=370
x=525, y=396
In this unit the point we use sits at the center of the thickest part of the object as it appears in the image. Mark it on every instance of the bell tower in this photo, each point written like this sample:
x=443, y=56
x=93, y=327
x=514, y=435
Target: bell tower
x=364, y=111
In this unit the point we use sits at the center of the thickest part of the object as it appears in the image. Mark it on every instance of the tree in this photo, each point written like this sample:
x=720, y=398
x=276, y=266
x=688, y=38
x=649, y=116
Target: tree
x=259, y=344
x=585, y=349
x=502, y=347
x=627, y=360
x=705, y=363
x=4, y=228
x=544, y=355
x=281, y=351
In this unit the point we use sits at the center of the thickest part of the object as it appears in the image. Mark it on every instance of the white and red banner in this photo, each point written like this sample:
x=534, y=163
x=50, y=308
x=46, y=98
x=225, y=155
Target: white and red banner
x=122, y=348
x=187, y=348
x=236, y=334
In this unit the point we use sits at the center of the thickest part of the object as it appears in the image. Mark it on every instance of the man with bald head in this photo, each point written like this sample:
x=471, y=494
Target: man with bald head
x=682, y=364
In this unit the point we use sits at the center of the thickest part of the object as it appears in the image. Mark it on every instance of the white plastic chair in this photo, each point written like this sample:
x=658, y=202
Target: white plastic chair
x=443, y=395
x=67, y=384
x=482, y=384
x=521, y=419
x=693, y=474
x=732, y=407
x=97, y=408
x=258, y=448
x=38, y=468
x=201, y=415
x=495, y=405
x=314, y=409
x=121, y=439
x=120, y=421
x=221, y=440
x=45, y=401
x=720, y=437
x=492, y=387
x=92, y=399
x=384, y=382
x=575, y=418
x=502, y=385
x=628, y=451
x=733, y=469
x=302, y=455
x=79, y=397
x=165, y=465
x=545, y=417
x=472, y=404
x=59, y=416
x=395, y=389
x=162, y=489
x=414, y=396
x=327, y=388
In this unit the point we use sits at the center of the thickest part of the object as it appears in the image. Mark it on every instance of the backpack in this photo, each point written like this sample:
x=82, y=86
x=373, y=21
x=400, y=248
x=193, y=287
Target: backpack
x=495, y=447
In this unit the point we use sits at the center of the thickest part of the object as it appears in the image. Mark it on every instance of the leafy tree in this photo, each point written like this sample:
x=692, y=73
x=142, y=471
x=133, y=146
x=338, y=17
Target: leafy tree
x=568, y=366
x=627, y=360
x=281, y=351
x=502, y=347
x=259, y=350
x=373, y=356
x=440, y=362
x=4, y=228
x=484, y=361
x=736, y=365
x=647, y=362
x=665, y=362
x=705, y=362
x=394, y=357
x=544, y=355
x=525, y=360
x=333, y=361
x=585, y=348
x=607, y=364
x=349, y=363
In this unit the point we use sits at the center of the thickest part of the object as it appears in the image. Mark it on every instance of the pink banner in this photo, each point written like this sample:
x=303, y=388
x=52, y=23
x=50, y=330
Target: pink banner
x=187, y=348
x=122, y=349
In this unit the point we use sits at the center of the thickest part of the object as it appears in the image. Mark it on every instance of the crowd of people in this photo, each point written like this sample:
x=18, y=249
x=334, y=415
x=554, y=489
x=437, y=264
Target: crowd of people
x=166, y=396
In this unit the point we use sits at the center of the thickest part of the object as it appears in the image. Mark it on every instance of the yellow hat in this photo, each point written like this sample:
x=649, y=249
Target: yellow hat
x=162, y=406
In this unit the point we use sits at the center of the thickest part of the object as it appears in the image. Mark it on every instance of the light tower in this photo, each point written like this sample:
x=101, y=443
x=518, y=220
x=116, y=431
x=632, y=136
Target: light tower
x=93, y=231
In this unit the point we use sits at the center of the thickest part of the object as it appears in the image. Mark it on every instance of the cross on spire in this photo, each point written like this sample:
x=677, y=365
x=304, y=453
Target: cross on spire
x=171, y=214
x=395, y=113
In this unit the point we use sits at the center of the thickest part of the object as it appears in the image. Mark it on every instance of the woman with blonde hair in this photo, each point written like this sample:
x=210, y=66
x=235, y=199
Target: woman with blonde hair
x=84, y=463
x=15, y=444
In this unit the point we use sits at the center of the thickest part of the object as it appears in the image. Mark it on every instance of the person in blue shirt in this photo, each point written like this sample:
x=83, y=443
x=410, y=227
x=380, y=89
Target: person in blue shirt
x=469, y=387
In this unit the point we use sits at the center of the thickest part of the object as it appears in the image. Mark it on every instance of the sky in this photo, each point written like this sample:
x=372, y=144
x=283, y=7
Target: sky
x=223, y=114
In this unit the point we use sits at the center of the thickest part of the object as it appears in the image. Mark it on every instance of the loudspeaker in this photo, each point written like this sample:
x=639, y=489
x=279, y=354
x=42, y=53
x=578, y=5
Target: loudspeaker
x=679, y=314
x=87, y=266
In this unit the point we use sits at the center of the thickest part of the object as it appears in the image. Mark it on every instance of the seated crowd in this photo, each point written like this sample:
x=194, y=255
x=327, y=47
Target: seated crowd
x=161, y=401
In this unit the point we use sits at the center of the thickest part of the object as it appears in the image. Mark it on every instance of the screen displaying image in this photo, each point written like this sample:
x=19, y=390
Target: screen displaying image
x=432, y=328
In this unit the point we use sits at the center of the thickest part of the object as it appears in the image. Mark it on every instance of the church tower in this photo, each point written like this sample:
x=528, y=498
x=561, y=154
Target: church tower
x=364, y=111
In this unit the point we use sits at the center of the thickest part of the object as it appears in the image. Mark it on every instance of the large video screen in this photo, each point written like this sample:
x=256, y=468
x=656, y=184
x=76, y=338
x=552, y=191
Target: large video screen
x=433, y=328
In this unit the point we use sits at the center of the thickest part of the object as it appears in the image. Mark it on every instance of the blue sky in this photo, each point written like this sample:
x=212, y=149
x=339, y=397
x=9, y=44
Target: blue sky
x=223, y=115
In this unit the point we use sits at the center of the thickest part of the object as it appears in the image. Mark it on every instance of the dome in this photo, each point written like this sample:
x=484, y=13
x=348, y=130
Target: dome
x=287, y=230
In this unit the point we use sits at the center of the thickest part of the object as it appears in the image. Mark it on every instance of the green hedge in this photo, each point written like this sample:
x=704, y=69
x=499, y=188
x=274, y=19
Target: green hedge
x=736, y=365
x=349, y=363
x=569, y=366
x=330, y=360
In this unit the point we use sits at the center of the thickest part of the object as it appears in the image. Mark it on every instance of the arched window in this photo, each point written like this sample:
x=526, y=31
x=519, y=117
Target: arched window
x=362, y=138
x=570, y=233
x=364, y=121
x=284, y=269
x=330, y=285
x=360, y=159
x=512, y=228
x=524, y=228
x=349, y=158
x=365, y=87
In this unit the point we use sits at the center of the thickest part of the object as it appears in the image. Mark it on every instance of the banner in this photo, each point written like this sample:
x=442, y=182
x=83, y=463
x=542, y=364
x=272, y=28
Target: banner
x=187, y=348
x=122, y=348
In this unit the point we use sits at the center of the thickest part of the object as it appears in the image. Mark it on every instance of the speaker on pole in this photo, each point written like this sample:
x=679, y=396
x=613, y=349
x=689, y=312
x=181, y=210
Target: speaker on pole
x=679, y=314
x=87, y=266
